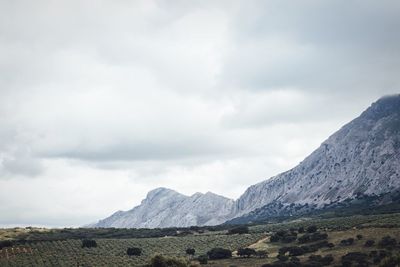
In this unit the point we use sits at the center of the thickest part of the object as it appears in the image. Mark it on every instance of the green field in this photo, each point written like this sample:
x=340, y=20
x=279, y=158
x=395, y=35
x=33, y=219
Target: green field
x=112, y=252
x=62, y=247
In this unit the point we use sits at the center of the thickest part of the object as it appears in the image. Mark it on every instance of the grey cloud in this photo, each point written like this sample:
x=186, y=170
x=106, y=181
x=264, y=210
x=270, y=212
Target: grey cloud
x=332, y=45
x=151, y=93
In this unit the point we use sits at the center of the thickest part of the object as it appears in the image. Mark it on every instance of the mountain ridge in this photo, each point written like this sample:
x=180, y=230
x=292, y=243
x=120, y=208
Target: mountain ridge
x=362, y=157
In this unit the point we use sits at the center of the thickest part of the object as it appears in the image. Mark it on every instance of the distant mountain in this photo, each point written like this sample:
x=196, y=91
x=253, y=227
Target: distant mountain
x=166, y=208
x=361, y=159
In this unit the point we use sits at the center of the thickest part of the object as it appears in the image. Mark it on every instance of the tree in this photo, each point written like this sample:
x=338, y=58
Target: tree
x=190, y=252
x=369, y=243
x=219, y=253
x=312, y=229
x=388, y=242
x=246, y=252
x=89, y=243
x=134, y=251
x=5, y=243
x=239, y=230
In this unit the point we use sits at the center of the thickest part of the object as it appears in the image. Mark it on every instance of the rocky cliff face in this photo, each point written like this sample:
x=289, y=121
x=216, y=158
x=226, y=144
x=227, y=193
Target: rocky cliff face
x=167, y=208
x=363, y=157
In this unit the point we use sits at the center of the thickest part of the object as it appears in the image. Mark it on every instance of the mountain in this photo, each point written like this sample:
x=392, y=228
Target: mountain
x=167, y=208
x=361, y=159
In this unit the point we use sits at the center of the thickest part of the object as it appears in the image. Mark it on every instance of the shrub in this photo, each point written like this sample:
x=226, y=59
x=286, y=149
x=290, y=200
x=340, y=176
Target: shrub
x=190, y=251
x=274, y=238
x=387, y=242
x=301, y=230
x=239, y=230
x=359, y=237
x=347, y=242
x=284, y=236
x=5, y=243
x=219, y=253
x=134, y=251
x=162, y=261
x=312, y=229
x=296, y=251
x=306, y=238
x=89, y=243
x=282, y=257
x=203, y=259
x=246, y=252
x=369, y=243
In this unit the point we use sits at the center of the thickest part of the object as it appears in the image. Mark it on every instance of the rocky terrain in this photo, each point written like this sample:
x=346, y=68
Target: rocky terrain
x=362, y=158
x=166, y=208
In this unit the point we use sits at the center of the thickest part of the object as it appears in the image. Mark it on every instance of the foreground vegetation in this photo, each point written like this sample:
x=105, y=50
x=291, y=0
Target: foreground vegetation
x=362, y=240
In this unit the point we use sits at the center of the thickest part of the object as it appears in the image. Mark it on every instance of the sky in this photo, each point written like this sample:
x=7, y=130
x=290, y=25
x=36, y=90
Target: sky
x=102, y=101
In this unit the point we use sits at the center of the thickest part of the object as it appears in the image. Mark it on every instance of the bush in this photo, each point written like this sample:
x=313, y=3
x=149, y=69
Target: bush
x=219, y=253
x=5, y=244
x=312, y=229
x=359, y=237
x=203, y=259
x=239, y=230
x=369, y=243
x=162, y=261
x=246, y=252
x=190, y=251
x=134, y=251
x=89, y=243
x=387, y=242
x=282, y=257
x=284, y=236
x=306, y=238
x=347, y=242
x=301, y=230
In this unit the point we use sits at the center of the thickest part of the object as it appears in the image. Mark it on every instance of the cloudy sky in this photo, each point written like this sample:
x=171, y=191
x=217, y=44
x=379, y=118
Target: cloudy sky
x=102, y=101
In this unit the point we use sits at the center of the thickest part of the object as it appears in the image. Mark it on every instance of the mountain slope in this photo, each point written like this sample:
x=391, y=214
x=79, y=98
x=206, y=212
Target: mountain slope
x=362, y=158
x=167, y=208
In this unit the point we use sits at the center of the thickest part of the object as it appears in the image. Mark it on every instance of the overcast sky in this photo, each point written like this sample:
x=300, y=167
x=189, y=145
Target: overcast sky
x=102, y=101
